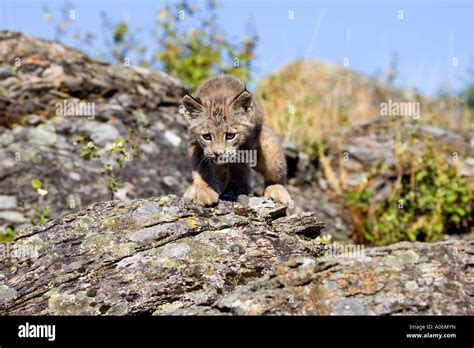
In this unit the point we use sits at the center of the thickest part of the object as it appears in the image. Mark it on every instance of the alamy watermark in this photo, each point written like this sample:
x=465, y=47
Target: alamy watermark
x=239, y=156
x=18, y=251
x=75, y=109
x=406, y=109
x=353, y=251
x=28, y=330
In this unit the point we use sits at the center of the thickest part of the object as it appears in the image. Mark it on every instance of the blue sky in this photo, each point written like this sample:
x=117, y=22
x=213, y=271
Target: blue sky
x=427, y=40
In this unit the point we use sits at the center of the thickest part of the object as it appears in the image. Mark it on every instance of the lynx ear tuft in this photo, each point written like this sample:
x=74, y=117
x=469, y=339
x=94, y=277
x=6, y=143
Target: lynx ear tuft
x=192, y=108
x=243, y=103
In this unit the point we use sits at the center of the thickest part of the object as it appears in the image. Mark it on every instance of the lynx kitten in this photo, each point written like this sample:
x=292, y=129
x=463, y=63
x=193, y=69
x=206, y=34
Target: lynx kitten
x=225, y=124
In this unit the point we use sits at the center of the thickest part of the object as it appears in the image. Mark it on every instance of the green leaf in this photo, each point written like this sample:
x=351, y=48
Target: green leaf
x=36, y=183
x=456, y=219
x=368, y=236
x=421, y=174
x=8, y=234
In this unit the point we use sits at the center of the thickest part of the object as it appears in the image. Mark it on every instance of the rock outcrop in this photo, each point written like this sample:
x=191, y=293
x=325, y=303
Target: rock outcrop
x=162, y=256
x=37, y=142
x=148, y=256
x=404, y=278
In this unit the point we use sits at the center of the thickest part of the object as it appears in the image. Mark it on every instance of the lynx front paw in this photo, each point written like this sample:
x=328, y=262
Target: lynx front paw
x=201, y=195
x=280, y=194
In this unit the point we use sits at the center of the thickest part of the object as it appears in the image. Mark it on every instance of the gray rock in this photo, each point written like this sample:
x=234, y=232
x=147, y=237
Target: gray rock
x=41, y=145
x=101, y=133
x=365, y=286
x=165, y=256
x=13, y=216
x=174, y=139
x=6, y=139
x=171, y=180
x=8, y=202
x=257, y=203
x=43, y=134
x=5, y=72
x=74, y=176
x=161, y=251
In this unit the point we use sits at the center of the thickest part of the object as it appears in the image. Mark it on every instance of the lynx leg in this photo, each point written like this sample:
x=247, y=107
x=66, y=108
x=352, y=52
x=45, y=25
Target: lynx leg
x=271, y=163
x=200, y=192
x=205, y=188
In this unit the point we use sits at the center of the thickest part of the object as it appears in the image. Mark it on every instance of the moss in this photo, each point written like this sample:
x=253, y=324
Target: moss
x=70, y=304
x=96, y=241
x=200, y=251
x=263, y=213
x=168, y=307
x=115, y=223
x=128, y=278
x=82, y=225
x=400, y=259
x=411, y=285
x=166, y=217
x=123, y=249
x=192, y=222
x=166, y=200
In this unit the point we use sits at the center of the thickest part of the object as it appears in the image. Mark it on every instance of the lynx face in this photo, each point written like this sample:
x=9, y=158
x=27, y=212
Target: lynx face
x=220, y=125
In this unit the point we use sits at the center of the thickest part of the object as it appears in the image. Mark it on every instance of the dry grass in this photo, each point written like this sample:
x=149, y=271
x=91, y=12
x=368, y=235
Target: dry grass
x=306, y=101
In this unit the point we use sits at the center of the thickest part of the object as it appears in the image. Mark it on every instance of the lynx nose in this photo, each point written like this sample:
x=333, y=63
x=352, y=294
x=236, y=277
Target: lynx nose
x=218, y=152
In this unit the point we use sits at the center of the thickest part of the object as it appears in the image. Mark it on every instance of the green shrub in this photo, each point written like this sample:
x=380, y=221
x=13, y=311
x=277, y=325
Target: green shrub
x=8, y=235
x=114, y=159
x=41, y=212
x=195, y=53
x=432, y=200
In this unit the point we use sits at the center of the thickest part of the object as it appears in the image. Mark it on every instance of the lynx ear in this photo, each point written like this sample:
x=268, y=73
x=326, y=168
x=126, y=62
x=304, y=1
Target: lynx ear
x=243, y=103
x=192, y=108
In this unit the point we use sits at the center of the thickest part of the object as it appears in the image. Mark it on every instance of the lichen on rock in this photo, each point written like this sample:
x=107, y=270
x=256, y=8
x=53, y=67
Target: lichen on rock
x=166, y=256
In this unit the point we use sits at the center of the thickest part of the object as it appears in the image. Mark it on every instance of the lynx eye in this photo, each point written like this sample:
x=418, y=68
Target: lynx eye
x=229, y=136
x=206, y=136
